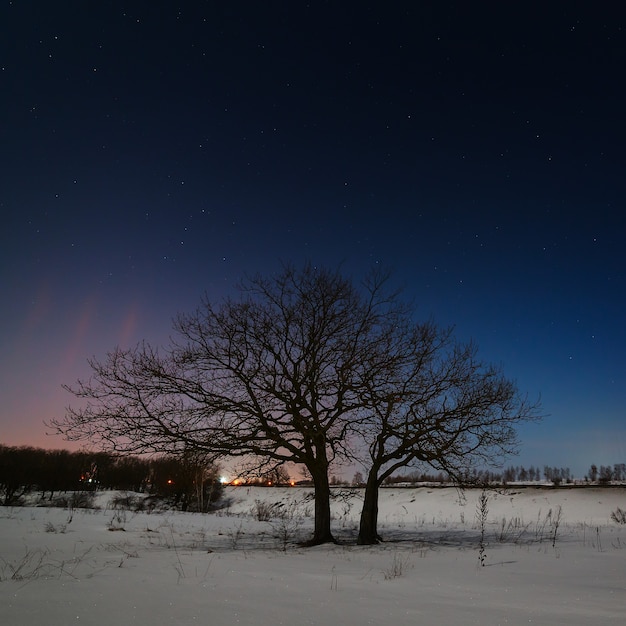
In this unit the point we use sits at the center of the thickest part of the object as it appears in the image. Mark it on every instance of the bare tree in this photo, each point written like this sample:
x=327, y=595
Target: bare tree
x=278, y=376
x=439, y=406
x=304, y=368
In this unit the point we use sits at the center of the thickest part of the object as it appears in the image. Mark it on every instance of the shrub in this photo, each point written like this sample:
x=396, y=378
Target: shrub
x=397, y=567
x=75, y=500
x=287, y=523
x=264, y=511
x=482, y=512
x=129, y=502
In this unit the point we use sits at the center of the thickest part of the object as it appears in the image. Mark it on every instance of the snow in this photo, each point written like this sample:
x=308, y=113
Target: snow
x=108, y=566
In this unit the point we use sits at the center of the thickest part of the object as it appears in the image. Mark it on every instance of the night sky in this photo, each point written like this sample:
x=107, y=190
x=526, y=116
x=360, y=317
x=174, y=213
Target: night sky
x=152, y=152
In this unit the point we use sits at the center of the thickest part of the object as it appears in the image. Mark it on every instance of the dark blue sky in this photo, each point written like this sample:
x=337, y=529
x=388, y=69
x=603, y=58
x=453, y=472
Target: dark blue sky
x=152, y=152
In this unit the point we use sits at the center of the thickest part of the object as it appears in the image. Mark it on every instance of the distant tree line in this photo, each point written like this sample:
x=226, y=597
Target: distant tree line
x=557, y=475
x=487, y=477
x=187, y=481
x=604, y=474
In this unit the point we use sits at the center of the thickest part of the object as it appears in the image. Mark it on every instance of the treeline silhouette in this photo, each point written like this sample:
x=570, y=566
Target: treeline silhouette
x=486, y=477
x=602, y=475
x=190, y=481
x=187, y=481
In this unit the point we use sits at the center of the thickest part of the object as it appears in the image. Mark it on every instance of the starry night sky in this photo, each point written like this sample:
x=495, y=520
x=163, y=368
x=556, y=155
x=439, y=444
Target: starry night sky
x=152, y=152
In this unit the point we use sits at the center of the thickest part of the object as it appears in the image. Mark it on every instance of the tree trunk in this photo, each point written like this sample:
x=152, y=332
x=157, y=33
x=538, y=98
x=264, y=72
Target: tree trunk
x=321, y=532
x=368, y=534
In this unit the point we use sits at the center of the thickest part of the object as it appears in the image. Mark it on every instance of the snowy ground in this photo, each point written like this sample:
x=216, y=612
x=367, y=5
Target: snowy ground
x=551, y=557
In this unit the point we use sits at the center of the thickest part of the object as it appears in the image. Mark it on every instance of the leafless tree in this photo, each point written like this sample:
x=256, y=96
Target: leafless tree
x=440, y=406
x=307, y=368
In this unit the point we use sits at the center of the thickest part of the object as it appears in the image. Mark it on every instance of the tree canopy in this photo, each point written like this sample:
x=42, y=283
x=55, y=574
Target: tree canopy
x=305, y=367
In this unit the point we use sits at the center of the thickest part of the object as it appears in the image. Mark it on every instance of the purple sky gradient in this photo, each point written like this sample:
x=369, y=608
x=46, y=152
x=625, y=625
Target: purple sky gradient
x=151, y=155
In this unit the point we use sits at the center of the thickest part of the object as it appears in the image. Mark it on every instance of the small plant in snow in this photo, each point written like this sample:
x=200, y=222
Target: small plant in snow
x=482, y=511
x=421, y=548
x=264, y=511
x=51, y=528
x=556, y=522
x=118, y=520
x=598, y=539
x=397, y=568
x=511, y=530
x=286, y=524
x=28, y=567
x=179, y=568
x=127, y=501
x=541, y=524
x=619, y=516
x=235, y=535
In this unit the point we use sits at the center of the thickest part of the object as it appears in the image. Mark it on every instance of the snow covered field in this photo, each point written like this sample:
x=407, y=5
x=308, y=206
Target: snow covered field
x=552, y=556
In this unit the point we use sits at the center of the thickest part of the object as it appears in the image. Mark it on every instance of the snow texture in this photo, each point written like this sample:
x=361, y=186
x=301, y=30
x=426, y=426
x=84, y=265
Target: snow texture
x=552, y=556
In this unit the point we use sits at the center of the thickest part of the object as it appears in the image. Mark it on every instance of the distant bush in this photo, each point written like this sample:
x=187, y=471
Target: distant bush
x=74, y=500
x=128, y=502
x=619, y=516
x=264, y=511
